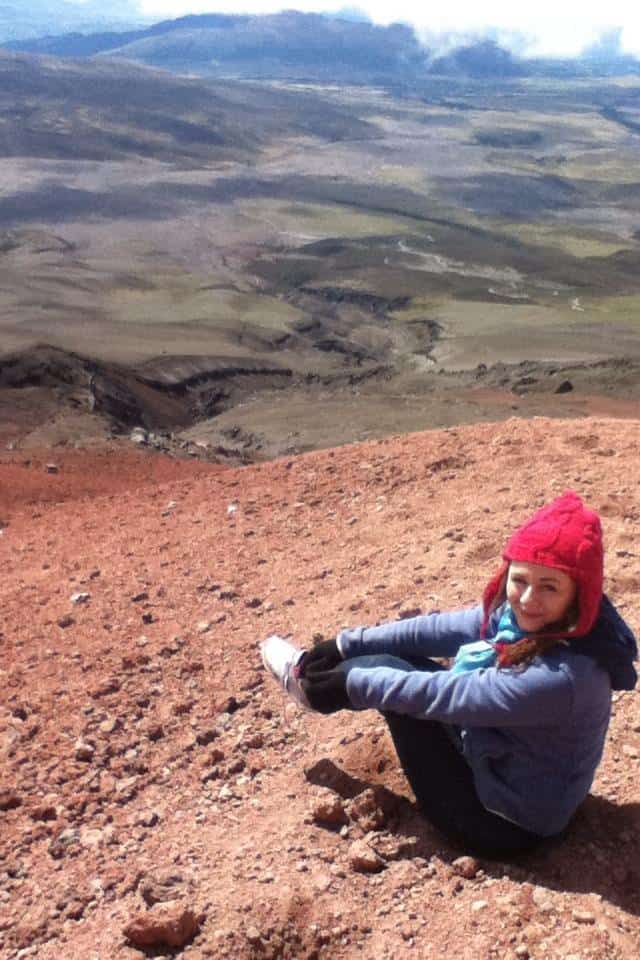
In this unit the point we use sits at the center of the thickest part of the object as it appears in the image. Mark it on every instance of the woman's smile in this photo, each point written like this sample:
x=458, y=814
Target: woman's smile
x=539, y=595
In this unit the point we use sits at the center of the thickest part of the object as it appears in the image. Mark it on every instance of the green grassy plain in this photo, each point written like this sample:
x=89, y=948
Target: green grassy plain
x=333, y=231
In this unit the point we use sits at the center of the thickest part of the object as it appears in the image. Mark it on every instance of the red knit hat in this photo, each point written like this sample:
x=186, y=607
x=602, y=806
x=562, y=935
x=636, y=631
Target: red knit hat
x=564, y=535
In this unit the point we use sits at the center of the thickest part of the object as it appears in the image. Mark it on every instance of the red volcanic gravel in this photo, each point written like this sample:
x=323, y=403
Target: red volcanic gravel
x=153, y=782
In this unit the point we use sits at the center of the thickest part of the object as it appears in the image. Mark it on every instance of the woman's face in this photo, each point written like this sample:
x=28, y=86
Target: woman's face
x=539, y=596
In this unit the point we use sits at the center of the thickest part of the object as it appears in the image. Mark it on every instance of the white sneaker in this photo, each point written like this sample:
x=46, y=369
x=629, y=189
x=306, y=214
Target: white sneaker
x=281, y=658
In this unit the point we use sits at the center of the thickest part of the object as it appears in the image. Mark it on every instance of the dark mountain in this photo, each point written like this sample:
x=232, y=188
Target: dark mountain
x=88, y=44
x=289, y=44
x=110, y=110
x=481, y=60
x=342, y=48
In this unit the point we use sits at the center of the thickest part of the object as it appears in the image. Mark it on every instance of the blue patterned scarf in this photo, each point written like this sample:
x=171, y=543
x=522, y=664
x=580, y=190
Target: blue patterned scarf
x=483, y=653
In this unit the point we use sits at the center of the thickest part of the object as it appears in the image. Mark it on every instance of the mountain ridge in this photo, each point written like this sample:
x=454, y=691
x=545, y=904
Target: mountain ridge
x=301, y=45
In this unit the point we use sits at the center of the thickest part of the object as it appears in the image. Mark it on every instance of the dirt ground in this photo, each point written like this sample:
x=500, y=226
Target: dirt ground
x=151, y=770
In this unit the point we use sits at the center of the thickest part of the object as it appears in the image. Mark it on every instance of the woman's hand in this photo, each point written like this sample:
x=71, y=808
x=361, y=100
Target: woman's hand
x=324, y=656
x=326, y=690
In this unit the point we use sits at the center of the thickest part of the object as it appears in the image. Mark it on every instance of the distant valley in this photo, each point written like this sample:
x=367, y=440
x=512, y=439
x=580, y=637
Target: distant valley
x=261, y=268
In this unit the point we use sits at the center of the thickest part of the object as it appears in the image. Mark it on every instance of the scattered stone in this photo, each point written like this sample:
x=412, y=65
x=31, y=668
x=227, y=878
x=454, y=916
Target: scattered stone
x=230, y=705
x=82, y=597
x=478, y=905
x=110, y=726
x=161, y=887
x=328, y=810
x=149, y=819
x=10, y=799
x=91, y=837
x=367, y=810
x=630, y=751
x=139, y=597
x=391, y=847
x=466, y=867
x=254, y=936
x=44, y=812
x=83, y=751
x=183, y=707
x=52, y=468
x=565, y=386
x=155, y=731
x=139, y=435
x=583, y=916
x=207, y=736
x=167, y=925
x=106, y=688
x=363, y=859
x=61, y=844
x=66, y=621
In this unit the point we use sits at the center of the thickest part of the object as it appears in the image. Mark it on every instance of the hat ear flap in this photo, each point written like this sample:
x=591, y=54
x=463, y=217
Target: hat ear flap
x=494, y=594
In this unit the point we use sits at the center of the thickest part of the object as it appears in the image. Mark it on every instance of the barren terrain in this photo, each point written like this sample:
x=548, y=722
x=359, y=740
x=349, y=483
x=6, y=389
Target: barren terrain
x=257, y=253
x=150, y=769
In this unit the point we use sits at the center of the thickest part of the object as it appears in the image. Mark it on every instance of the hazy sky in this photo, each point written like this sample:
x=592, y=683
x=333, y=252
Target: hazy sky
x=548, y=26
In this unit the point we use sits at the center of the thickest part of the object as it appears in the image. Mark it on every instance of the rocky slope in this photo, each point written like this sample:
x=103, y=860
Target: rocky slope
x=154, y=786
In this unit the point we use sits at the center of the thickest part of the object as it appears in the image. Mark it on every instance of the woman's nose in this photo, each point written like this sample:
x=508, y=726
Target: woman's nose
x=527, y=594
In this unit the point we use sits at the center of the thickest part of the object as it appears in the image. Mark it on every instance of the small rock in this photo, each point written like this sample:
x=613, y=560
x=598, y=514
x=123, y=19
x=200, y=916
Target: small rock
x=254, y=936
x=78, y=598
x=564, y=387
x=230, y=705
x=139, y=435
x=207, y=736
x=52, y=468
x=583, y=916
x=630, y=751
x=155, y=731
x=168, y=925
x=162, y=887
x=479, y=905
x=44, y=812
x=149, y=819
x=329, y=810
x=367, y=810
x=66, y=621
x=83, y=751
x=363, y=859
x=10, y=799
x=110, y=725
x=91, y=837
x=107, y=687
x=466, y=867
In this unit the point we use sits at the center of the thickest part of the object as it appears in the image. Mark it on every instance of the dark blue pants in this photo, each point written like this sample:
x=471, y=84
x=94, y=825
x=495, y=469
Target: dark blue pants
x=443, y=784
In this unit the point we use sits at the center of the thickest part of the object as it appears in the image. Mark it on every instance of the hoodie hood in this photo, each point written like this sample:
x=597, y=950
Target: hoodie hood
x=612, y=645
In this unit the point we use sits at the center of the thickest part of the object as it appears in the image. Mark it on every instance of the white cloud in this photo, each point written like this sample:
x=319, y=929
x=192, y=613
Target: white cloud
x=551, y=27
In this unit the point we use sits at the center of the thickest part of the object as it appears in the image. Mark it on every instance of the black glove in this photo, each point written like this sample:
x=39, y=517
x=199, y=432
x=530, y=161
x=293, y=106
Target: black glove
x=324, y=656
x=326, y=690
